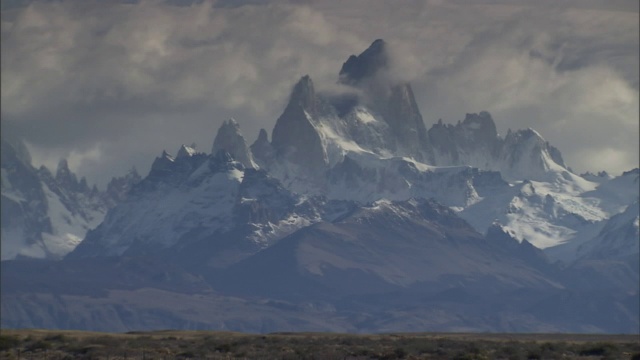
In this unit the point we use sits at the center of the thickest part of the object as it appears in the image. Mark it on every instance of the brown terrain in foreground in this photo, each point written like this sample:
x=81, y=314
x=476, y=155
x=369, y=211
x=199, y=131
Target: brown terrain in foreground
x=51, y=344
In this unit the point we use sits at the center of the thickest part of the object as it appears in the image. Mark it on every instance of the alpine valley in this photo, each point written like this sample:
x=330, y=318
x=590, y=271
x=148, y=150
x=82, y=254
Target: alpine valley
x=354, y=217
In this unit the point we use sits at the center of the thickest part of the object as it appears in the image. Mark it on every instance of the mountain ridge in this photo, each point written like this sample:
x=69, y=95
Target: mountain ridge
x=46, y=214
x=353, y=210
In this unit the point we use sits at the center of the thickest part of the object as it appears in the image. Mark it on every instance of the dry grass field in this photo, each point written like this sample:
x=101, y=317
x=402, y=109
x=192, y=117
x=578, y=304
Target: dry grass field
x=50, y=344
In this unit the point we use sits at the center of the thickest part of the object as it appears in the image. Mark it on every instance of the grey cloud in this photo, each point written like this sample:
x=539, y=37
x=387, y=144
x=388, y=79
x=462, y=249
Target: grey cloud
x=113, y=84
x=518, y=72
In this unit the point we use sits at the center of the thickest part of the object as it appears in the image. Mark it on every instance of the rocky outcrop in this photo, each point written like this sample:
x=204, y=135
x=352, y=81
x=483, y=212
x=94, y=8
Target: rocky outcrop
x=230, y=139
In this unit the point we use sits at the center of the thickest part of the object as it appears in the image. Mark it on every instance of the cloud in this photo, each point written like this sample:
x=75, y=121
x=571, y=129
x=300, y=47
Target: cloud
x=519, y=72
x=133, y=79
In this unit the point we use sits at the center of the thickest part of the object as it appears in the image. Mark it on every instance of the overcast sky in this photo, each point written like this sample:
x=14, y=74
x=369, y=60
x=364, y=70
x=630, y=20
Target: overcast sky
x=110, y=84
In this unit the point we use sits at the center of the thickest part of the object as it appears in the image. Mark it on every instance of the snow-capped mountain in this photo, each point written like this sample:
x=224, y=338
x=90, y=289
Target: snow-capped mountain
x=612, y=196
x=363, y=146
x=520, y=155
x=354, y=213
x=618, y=239
x=372, y=144
x=197, y=200
x=46, y=215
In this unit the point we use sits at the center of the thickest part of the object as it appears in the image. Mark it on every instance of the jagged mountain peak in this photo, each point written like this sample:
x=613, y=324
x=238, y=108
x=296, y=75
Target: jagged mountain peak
x=473, y=123
x=339, y=215
x=295, y=136
x=263, y=137
x=165, y=155
x=392, y=99
x=161, y=163
x=401, y=112
x=185, y=151
x=303, y=96
x=118, y=187
x=528, y=144
x=521, y=154
x=68, y=180
x=231, y=125
x=229, y=138
x=63, y=165
x=481, y=123
x=63, y=169
x=131, y=175
x=262, y=150
x=366, y=65
x=385, y=119
x=527, y=134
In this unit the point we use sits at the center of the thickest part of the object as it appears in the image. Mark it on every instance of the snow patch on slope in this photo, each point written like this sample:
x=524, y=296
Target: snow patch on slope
x=545, y=214
x=162, y=218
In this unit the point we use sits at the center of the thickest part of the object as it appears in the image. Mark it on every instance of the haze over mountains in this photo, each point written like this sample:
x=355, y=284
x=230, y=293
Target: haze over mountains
x=354, y=217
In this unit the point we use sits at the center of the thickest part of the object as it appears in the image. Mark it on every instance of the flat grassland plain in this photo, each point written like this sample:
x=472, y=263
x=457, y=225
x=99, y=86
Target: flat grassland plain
x=170, y=344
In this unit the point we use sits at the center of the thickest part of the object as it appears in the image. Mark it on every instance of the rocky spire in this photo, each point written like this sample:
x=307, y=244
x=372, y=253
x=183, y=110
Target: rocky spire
x=480, y=127
x=185, y=151
x=231, y=140
x=262, y=150
x=405, y=121
x=62, y=170
x=366, y=65
x=303, y=96
x=294, y=135
x=520, y=155
x=262, y=137
x=161, y=164
x=475, y=135
x=65, y=177
x=390, y=97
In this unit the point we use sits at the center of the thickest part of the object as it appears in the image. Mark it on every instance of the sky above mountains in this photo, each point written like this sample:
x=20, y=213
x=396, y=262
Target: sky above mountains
x=109, y=84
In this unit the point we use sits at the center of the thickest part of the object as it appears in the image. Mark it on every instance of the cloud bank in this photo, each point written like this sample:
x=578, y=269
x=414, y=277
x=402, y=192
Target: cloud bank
x=111, y=84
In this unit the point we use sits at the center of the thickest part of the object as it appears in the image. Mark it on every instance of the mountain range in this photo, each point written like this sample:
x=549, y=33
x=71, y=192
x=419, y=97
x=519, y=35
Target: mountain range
x=46, y=215
x=353, y=217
